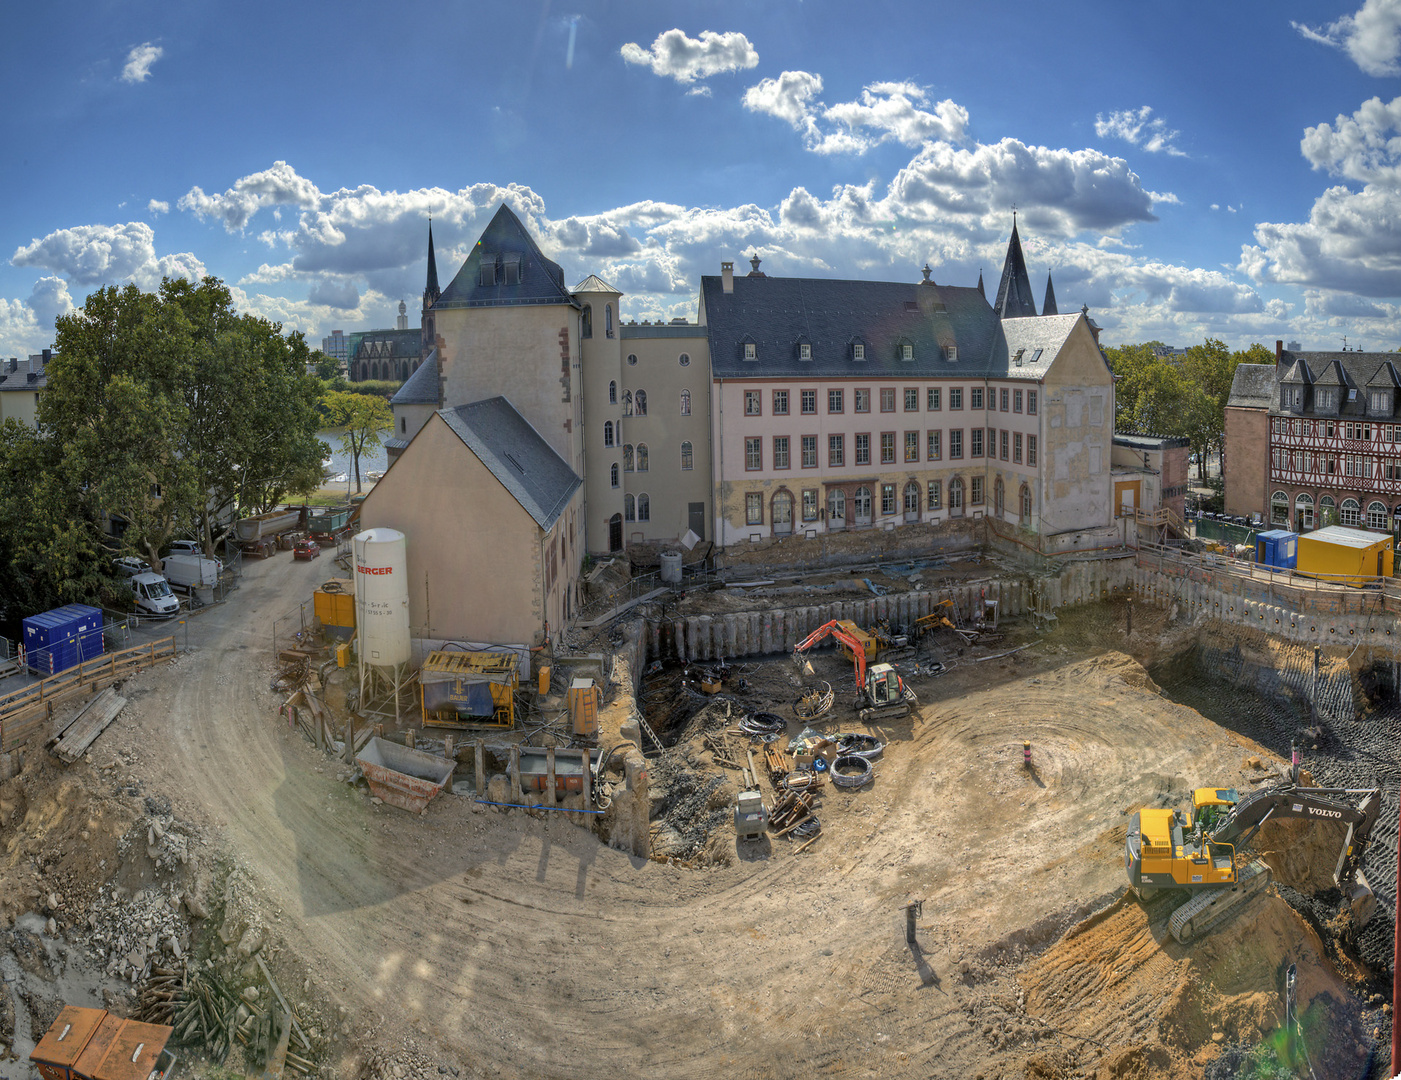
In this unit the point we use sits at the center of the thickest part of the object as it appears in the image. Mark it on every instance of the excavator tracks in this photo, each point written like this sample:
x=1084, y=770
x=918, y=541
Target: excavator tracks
x=1211, y=907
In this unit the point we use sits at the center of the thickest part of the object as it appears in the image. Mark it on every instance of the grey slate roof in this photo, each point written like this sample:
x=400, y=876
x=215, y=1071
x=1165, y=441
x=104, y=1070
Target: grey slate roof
x=594, y=283
x=1014, y=299
x=527, y=466
x=541, y=280
x=421, y=388
x=1045, y=335
x=661, y=330
x=775, y=312
x=20, y=379
x=1350, y=370
x=430, y=288
x=381, y=344
x=1048, y=307
x=1252, y=387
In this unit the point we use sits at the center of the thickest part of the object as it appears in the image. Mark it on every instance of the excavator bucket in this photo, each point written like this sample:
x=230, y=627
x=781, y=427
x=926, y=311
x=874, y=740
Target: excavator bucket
x=802, y=663
x=1362, y=900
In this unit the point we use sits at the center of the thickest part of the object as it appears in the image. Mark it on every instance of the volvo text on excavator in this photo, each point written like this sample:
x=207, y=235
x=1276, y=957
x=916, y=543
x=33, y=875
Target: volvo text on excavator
x=1197, y=851
x=880, y=692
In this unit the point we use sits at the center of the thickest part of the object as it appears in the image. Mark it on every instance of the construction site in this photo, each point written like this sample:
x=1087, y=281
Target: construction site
x=934, y=817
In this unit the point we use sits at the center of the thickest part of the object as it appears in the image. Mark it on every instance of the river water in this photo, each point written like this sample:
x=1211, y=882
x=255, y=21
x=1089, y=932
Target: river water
x=340, y=464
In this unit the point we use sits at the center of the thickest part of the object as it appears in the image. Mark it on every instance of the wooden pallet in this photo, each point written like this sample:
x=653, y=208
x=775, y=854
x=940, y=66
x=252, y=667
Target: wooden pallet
x=92, y=719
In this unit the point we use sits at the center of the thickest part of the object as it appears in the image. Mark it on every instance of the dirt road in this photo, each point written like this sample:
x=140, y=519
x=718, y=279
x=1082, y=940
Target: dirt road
x=499, y=943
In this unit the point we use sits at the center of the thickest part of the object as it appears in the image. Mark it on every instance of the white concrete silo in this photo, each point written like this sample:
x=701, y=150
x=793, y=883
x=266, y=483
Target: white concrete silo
x=381, y=610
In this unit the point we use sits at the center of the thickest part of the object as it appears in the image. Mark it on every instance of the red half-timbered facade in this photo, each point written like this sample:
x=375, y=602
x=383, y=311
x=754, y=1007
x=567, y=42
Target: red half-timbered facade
x=1335, y=441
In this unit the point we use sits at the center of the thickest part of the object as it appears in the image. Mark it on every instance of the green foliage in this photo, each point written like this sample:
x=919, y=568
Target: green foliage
x=384, y=388
x=327, y=367
x=365, y=419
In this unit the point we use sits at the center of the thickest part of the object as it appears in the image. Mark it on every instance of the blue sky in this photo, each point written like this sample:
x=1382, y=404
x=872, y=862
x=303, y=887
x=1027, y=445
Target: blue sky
x=1186, y=170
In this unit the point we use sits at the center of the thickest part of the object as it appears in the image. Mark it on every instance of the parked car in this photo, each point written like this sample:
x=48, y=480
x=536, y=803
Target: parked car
x=192, y=547
x=306, y=549
x=128, y=566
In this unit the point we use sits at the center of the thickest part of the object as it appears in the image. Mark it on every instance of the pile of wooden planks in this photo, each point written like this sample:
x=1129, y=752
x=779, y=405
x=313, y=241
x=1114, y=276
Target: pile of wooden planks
x=72, y=741
x=317, y=721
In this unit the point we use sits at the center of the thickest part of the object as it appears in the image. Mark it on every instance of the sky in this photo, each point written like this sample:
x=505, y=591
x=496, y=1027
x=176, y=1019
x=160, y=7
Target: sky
x=1185, y=169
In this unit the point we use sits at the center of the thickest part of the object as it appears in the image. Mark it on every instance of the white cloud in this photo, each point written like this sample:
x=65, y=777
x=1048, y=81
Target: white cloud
x=139, y=61
x=157, y=206
x=1371, y=37
x=1140, y=128
x=686, y=59
x=279, y=185
x=699, y=91
x=1365, y=146
x=789, y=97
x=99, y=254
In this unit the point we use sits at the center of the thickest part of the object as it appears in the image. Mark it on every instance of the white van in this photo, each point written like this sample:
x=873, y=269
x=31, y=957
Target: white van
x=153, y=595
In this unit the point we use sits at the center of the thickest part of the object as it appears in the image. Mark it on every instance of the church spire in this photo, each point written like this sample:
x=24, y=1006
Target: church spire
x=431, y=291
x=1014, y=291
x=1049, y=307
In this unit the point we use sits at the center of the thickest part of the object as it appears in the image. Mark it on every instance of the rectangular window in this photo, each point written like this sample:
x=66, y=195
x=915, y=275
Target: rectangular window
x=1006, y=394
x=887, y=399
x=912, y=446
x=780, y=402
x=912, y=399
x=975, y=447
x=935, y=495
x=863, y=400
x=1017, y=447
x=975, y=491
x=836, y=452
x=750, y=353
x=754, y=508
x=780, y=451
x=887, y=499
x=809, y=451
x=1003, y=446
x=834, y=401
x=975, y=398
x=1031, y=449
x=933, y=447
x=951, y=353
x=809, y=504
x=809, y=402
x=753, y=453
x=956, y=443
x=753, y=403
x=933, y=399
x=858, y=351
x=1031, y=402
x=1096, y=411
x=887, y=448
x=1016, y=401
x=805, y=351
x=863, y=448
x=955, y=397
x=907, y=352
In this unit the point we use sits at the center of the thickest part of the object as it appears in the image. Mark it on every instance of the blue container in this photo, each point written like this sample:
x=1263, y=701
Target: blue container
x=62, y=638
x=1277, y=548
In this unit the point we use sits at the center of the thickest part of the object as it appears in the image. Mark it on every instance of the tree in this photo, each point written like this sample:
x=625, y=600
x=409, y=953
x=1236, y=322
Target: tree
x=326, y=367
x=364, y=419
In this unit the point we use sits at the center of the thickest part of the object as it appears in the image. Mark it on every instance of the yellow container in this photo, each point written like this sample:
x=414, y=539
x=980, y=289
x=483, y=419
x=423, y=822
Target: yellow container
x=343, y=654
x=1344, y=556
x=583, y=702
x=334, y=604
x=544, y=679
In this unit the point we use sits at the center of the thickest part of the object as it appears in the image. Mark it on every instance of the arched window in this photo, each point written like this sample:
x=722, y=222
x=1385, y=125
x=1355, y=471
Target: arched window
x=1350, y=513
x=627, y=457
x=632, y=359
x=1327, y=511
x=613, y=474
x=629, y=508
x=836, y=509
x=999, y=496
x=685, y=403
x=608, y=320
x=644, y=508
x=782, y=513
x=612, y=393
x=687, y=462
x=415, y=366
x=615, y=533
x=684, y=360
x=1279, y=508
x=642, y=457
x=956, y=497
x=1376, y=515
x=627, y=402
x=641, y=403
x=586, y=322
x=1303, y=512
x=1026, y=505
x=912, y=501
x=608, y=433
x=862, y=506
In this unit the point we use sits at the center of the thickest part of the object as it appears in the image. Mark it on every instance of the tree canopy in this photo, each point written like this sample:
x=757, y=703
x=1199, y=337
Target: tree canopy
x=364, y=419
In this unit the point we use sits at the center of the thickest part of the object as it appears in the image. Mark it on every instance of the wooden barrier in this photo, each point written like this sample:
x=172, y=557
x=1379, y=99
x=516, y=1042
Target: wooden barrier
x=24, y=711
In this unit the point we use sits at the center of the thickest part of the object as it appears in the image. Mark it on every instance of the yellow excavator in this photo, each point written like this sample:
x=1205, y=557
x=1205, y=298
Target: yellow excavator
x=1197, y=850
x=880, y=692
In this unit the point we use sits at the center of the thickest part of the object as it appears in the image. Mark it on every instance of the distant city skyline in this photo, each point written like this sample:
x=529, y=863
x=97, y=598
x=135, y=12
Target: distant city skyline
x=1228, y=171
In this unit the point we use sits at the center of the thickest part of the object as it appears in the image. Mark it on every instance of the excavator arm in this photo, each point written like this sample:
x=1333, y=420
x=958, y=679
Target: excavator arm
x=834, y=629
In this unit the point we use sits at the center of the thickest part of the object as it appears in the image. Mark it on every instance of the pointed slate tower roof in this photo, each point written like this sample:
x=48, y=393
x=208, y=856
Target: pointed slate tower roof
x=431, y=292
x=1049, y=307
x=505, y=269
x=1014, y=291
x=981, y=290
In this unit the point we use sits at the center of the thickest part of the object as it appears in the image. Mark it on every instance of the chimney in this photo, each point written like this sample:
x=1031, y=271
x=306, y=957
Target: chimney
x=1279, y=349
x=14, y=364
x=727, y=276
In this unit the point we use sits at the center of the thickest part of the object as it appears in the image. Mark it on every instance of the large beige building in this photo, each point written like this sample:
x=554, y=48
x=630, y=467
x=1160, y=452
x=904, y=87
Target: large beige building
x=21, y=383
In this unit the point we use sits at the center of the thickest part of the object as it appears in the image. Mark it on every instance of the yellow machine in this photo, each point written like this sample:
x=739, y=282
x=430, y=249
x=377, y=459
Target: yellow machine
x=460, y=688
x=869, y=643
x=935, y=619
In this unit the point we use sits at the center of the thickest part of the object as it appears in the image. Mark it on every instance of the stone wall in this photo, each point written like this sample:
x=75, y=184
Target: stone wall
x=839, y=548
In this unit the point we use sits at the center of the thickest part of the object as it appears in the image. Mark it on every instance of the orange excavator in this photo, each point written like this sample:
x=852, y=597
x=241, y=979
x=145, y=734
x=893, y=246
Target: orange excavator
x=881, y=693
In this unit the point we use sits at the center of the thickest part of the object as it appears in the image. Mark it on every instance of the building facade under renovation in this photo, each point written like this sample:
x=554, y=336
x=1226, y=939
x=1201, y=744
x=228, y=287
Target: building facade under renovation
x=790, y=406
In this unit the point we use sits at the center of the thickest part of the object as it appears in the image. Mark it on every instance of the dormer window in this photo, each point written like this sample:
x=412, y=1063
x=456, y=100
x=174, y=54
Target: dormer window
x=1379, y=402
x=1323, y=400
x=511, y=267
x=486, y=271
x=751, y=351
x=804, y=351
x=858, y=351
x=907, y=351
x=951, y=353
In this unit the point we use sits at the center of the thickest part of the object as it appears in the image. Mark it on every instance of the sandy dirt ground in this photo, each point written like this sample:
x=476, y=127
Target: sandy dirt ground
x=476, y=941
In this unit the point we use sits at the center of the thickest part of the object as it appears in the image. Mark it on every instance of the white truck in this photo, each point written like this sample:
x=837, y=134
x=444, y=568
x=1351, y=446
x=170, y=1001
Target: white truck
x=191, y=571
x=153, y=595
